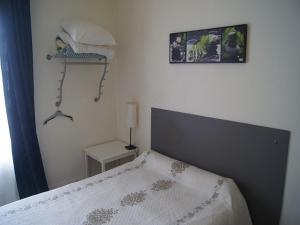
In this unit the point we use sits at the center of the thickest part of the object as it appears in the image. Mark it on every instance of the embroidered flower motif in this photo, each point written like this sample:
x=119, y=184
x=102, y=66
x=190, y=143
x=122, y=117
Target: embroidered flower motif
x=27, y=207
x=77, y=189
x=133, y=198
x=100, y=216
x=204, y=204
x=162, y=185
x=220, y=182
x=89, y=185
x=11, y=212
x=178, y=167
x=215, y=195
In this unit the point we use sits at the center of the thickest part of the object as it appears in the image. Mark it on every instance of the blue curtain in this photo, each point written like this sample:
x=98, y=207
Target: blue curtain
x=17, y=71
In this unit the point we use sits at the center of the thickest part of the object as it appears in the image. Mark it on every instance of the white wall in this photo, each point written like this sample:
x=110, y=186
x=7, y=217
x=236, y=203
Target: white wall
x=62, y=141
x=264, y=91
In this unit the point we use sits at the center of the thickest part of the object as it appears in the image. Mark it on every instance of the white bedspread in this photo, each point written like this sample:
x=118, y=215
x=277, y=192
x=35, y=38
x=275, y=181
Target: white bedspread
x=151, y=190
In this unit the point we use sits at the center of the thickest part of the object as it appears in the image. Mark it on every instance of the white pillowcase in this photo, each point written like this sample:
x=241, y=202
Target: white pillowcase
x=84, y=48
x=87, y=33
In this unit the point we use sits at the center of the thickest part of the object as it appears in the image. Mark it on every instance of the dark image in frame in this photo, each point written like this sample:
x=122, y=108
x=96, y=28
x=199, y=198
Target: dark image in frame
x=177, y=47
x=234, y=40
x=203, y=46
x=215, y=45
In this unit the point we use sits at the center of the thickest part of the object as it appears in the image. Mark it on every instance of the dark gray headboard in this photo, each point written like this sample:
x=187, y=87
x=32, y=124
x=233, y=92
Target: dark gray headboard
x=254, y=156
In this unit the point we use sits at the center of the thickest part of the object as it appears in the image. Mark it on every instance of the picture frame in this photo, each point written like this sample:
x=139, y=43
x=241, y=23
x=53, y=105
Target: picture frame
x=215, y=45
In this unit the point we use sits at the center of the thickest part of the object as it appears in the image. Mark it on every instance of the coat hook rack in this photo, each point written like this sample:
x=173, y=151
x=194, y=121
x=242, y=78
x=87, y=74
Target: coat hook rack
x=71, y=58
x=59, y=101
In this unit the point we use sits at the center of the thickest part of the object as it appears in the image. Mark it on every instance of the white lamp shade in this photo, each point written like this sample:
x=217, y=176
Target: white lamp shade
x=131, y=114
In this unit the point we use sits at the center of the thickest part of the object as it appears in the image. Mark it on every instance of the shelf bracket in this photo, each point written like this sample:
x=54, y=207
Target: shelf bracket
x=101, y=81
x=61, y=83
x=75, y=56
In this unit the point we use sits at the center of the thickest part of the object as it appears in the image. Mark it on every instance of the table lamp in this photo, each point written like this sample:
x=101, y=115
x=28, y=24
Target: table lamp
x=131, y=121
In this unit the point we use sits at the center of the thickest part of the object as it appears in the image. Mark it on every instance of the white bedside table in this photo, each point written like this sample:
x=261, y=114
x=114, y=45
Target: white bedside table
x=109, y=152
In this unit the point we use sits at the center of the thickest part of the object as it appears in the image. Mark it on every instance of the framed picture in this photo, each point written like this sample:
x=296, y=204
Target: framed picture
x=216, y=45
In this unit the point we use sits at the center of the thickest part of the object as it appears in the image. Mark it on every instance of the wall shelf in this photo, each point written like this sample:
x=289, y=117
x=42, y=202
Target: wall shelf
x=69, y=57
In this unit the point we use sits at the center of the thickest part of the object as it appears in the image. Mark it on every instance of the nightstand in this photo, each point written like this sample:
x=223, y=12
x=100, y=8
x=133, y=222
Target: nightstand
x=102, y=157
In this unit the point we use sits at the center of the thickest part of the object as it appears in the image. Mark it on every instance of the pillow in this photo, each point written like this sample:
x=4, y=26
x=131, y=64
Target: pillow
x=87, y=33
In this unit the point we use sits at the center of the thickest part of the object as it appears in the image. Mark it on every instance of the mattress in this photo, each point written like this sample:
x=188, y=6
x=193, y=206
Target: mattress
x=151, y=190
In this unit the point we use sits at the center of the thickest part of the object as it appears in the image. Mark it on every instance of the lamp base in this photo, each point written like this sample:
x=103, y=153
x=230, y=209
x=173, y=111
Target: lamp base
x=130, y=147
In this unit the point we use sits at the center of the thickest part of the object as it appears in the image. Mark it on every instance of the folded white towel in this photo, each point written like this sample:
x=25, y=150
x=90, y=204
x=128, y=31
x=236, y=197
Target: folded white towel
x=85, y=32
x=85, y=48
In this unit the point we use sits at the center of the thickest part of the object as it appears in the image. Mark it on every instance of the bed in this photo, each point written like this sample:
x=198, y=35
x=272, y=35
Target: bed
x=166, y=186
x=152, y=190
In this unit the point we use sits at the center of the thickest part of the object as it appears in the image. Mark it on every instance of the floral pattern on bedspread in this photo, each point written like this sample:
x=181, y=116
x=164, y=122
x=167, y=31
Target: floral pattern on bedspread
x=74, y=190
x=178, y=167
x=133, y=198
x=161, y=185
x=99, y=216
x=201, y=206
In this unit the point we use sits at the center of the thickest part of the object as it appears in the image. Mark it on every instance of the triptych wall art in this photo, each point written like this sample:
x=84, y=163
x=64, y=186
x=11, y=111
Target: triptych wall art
x=216, y=45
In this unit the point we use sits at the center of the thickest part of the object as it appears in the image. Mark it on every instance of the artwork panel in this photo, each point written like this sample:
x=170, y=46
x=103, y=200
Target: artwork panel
x=177, y=47
x=234, y=44
x=204, y=46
